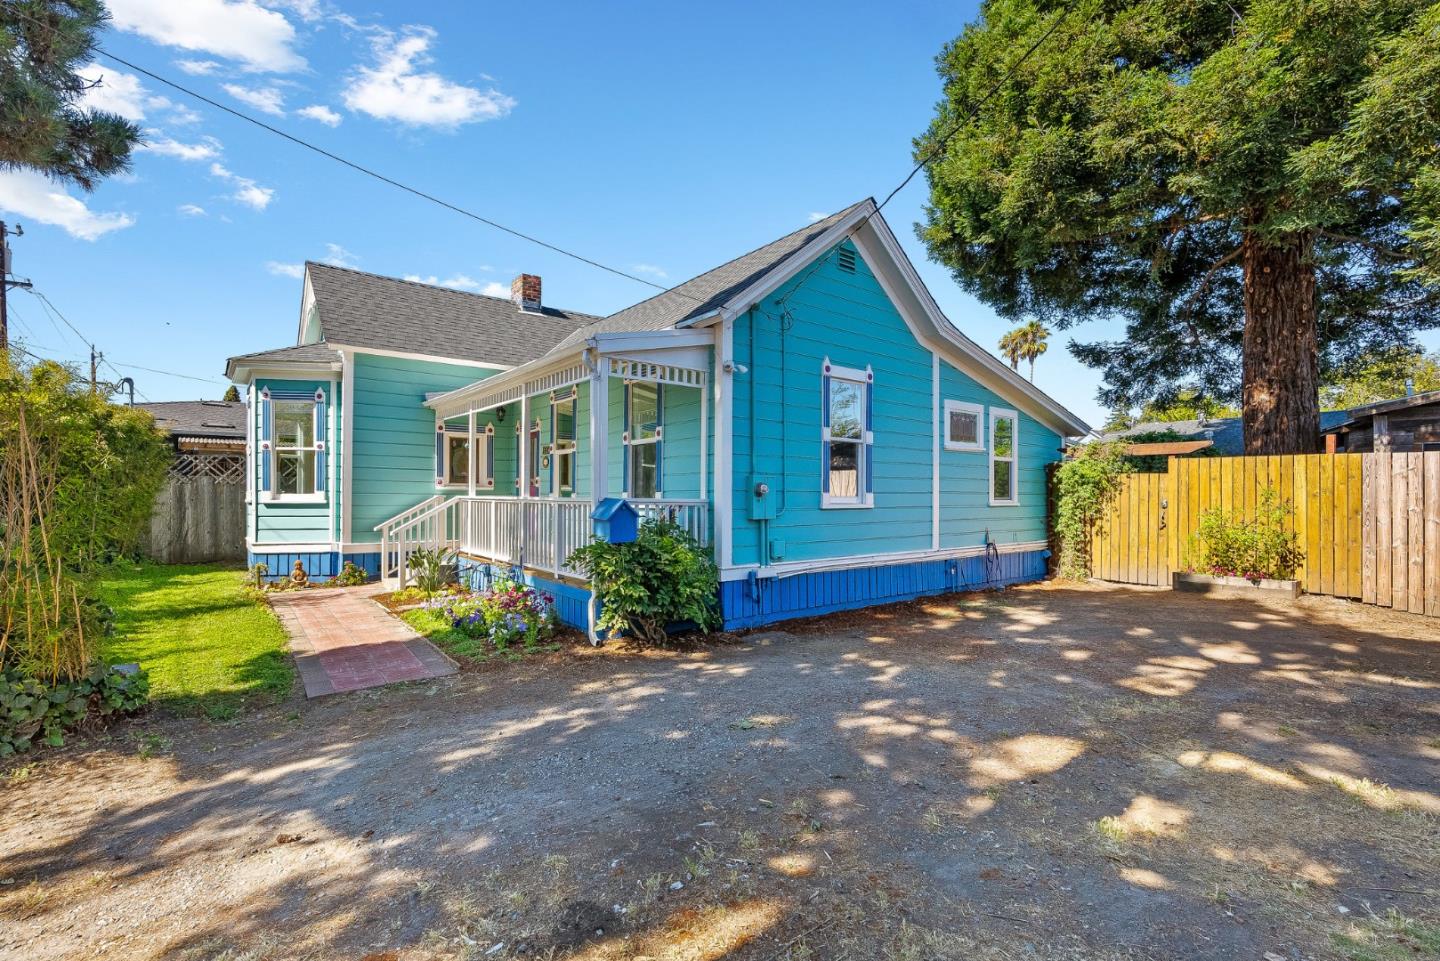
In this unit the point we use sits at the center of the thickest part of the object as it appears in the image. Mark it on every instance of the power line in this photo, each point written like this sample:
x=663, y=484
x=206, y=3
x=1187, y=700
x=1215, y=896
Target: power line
x=166, y=373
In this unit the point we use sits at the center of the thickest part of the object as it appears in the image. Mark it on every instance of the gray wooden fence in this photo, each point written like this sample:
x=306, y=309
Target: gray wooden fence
x=199, y=516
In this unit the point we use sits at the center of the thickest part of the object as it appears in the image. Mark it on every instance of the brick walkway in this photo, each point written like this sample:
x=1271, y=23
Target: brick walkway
x=344, y=641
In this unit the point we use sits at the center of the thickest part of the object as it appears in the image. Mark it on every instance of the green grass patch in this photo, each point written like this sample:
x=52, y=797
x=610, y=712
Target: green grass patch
x=209, y=646
x=1389, y=937
x=436, y=627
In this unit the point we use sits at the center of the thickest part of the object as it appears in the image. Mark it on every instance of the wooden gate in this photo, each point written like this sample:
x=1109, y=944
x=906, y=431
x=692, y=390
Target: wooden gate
x=199, y=515
x=1368, y=524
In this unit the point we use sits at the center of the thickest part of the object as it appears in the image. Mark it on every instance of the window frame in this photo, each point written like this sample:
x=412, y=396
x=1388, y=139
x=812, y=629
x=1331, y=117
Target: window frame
x=478, y=458
x=561, y=447
x=632, y=443
x=865, y=380
x=1004, y=413
x=317, y=446
x=965, y=407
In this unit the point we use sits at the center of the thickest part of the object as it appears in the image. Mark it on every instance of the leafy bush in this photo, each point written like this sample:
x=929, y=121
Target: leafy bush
x=78, y=479
x=1231, y=546
x=1085, y=485
x=351, y=575
x=429, y=570
x=31, y=708
x=663, y=577
x=506, y=614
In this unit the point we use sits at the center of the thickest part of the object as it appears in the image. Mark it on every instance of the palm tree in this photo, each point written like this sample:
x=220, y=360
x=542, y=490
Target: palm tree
x=1012, y=348
x=1026, y=342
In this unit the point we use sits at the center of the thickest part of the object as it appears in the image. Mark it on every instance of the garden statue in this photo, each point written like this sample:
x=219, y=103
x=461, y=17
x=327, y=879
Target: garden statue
x=298, y=577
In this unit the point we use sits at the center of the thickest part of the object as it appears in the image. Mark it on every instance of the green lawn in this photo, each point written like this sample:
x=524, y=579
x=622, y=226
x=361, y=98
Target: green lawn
x=208, y=646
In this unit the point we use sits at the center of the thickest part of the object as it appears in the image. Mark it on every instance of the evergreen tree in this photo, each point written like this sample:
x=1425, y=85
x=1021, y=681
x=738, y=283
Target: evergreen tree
x=232, y=394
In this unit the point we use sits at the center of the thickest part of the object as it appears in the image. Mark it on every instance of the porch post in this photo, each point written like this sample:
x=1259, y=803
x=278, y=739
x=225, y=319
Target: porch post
x=524, y=452
x=704, y=440
x=470, y=448
x=599, y=428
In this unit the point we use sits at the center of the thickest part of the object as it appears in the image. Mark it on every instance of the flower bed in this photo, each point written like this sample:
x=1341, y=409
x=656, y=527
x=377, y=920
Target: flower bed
x=509, y=617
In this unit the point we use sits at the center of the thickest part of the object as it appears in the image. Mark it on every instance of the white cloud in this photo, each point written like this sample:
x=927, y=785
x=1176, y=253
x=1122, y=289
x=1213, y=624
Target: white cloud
x=321, y=113
x=117, y=92
x=207, y=149
x=179, y=113
x=28, y=194
x=337, y=256
x=462, y=282
x=198, y=68
x=265, y=99
x=285, y=270
x=247, y=191
x=307, y=10
x=240, y=30
x=395, y=88
x=650, y=269
x=191, y=210
x=816, y=216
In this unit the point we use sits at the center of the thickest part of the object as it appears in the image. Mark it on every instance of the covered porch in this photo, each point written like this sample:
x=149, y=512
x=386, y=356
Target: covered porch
x=523, y=457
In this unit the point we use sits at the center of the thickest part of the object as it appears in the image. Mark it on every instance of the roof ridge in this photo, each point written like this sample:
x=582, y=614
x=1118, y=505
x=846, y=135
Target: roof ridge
x=754, y=250
x=439, y=287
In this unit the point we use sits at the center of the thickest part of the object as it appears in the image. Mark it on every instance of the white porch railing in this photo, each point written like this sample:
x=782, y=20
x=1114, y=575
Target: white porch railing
x=537, y=533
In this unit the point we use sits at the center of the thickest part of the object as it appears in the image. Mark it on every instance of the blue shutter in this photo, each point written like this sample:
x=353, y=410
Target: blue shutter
x=320, y=441
x=625, y=442
x=659, y=438
x=825, y=429
x=489, y=455
x=869, y=436
x=553, y=437
x=439, y=455
x=265, y=428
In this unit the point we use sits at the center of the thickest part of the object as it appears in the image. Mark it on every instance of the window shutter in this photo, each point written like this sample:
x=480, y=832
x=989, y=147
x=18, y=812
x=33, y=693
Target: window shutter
x=266, y=427
x=554, y=436
x=439, y=455
x=869, y=436
x=489, y=455
x=824, y=428
x=320, y=439
x=625, y=442
x=659, y=438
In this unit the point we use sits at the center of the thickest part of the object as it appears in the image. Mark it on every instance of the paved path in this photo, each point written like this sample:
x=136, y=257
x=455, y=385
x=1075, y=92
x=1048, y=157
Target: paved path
x=344, y=641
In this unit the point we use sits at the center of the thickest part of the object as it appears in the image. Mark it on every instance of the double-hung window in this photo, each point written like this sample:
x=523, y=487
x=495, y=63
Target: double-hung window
x=1004, y=456
x=963, y=426
x=562, y=443
x=292, y=445
x=642, y=438
x=454, y=459
x=847, y=441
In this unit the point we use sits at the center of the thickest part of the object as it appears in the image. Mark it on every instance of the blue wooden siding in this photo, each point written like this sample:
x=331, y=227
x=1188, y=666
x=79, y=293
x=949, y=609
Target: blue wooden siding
x=274, y=522
x=966, y=517
x=848, y=318
x=752, y=603
x=394, y=435
x=320, y=565
x=571, y=602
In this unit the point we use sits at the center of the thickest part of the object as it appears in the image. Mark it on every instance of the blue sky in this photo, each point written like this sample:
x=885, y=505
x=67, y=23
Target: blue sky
x=662, y=138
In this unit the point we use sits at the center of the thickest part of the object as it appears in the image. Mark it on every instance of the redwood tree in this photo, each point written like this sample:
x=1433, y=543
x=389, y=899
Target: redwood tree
x=1249, y=187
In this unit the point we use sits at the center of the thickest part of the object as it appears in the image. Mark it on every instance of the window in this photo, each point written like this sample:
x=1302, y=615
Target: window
x=292, y=444
x=962, y=426
x=562, y=446
x=642, y=438
x=846, y=438
x=454, y=460
x=457, y=460
x=1004, y=444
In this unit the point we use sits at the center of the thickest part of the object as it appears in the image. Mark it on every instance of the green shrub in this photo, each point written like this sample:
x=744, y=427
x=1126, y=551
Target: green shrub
x=31, y=709
x=1085, y=485
x=1230, y=546
x=663, y=577
x=351, y=575
x=429, y=571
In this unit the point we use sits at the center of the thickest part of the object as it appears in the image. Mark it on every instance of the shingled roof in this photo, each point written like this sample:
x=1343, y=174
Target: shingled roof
x=199, y=418
x=359, y=309
x=710, y=290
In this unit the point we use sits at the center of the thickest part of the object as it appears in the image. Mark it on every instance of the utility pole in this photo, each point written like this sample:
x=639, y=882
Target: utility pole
x=5, y=282
x=94, y=359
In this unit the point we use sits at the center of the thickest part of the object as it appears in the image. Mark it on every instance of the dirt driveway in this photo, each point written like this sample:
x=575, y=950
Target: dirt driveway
x=1056, y=771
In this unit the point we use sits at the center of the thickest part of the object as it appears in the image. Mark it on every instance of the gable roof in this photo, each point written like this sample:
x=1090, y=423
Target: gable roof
x=1355, y=414
x=1227, y=432
x=305, y=355
x=709, y=291
x=359, y=309
x=199, y=418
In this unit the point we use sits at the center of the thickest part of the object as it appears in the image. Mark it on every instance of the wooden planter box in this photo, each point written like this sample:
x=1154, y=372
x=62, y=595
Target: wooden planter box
x=1206, y=583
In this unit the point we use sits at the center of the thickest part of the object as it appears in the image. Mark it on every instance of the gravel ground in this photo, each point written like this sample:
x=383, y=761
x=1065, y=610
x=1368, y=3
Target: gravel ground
x=1056, y=771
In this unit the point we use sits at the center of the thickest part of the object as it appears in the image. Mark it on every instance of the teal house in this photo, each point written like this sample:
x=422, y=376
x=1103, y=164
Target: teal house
x=805, y=410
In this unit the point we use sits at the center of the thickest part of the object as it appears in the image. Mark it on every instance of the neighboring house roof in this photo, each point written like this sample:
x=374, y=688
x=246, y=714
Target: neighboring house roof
x=1368, y=411
x=1226, y=432
x=199, y=418
x=707, y=292
x=359, y=309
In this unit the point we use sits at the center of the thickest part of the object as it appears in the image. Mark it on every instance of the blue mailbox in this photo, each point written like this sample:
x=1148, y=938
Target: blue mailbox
x=616, y=521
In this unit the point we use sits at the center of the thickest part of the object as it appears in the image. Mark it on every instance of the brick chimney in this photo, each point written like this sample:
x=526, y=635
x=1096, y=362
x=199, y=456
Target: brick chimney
x=525, y=292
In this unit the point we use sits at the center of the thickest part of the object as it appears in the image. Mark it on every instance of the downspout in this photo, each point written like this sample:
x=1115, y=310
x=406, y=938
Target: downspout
x=764, y=551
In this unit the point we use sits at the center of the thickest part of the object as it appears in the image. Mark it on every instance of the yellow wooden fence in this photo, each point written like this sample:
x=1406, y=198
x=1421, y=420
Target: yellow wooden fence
x=1368, y=524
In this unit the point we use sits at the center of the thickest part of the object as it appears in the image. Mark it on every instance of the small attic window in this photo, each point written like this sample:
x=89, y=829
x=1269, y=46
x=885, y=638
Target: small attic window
x=845, y=259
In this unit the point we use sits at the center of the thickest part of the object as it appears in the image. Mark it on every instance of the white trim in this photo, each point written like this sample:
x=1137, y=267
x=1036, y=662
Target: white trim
x=862, y=499
x=964, y=407
x=316, y=548
x=599, y=411
x=347, y=440
x=724, y=438
x=667, y=338
x=935, y=429
x=318, y=444
x=473, y=456
x=996, y=413
x=332, y=420
x=246, y=374
x=412, y=355
x=791, y=568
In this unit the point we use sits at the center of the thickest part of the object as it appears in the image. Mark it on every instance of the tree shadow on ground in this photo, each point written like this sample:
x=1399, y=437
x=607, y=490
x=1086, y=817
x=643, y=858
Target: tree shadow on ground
x=1062, y=771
